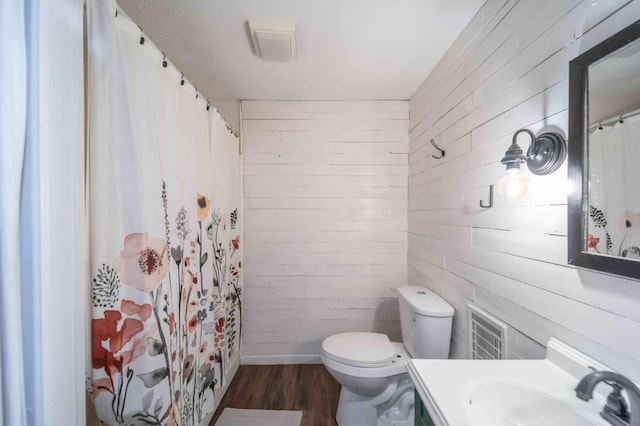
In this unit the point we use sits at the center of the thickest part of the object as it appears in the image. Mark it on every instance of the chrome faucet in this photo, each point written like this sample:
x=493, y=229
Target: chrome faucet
x=615, y=411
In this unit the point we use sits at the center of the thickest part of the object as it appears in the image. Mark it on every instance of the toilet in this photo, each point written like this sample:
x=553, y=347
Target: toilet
x=376, y=389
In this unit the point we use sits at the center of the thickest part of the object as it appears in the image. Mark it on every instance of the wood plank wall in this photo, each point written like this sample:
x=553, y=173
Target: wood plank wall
x=508, y=70
x=325, y=216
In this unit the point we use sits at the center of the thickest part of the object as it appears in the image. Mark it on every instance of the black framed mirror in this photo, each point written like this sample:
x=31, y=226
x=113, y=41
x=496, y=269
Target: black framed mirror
x=604, y=156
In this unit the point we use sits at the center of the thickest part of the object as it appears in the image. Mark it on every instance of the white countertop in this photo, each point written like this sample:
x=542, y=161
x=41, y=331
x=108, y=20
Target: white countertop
x=442, y=384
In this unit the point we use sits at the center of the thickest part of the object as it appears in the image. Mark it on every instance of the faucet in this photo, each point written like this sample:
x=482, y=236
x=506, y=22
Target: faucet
x=615, y=411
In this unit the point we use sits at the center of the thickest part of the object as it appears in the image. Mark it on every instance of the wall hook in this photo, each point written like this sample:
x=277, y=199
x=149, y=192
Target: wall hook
x=488, y=206
x=437, y=157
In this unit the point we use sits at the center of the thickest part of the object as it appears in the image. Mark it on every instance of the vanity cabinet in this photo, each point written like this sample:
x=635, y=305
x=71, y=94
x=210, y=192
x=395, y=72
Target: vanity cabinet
x=422, y=417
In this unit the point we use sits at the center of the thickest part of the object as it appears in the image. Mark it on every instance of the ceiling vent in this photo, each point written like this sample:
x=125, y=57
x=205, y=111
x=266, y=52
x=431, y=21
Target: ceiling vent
x=274, y=39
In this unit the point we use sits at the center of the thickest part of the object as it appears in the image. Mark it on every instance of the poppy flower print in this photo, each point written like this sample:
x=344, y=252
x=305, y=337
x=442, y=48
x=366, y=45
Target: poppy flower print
x=204, y=204
x=143, y=262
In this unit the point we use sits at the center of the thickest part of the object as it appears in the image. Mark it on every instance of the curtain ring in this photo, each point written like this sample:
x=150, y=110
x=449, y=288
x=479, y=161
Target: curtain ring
x=182, y=79
x=600, y=126
x=621, y=120
x=208, y=105
x=164, y=60
x=141, y=36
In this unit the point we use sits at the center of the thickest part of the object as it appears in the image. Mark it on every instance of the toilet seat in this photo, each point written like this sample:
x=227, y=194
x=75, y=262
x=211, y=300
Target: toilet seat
x=397, y=365
x=359, y=349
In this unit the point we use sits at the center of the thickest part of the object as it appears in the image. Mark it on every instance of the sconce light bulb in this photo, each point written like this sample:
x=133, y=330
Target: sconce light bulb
x=513, y=186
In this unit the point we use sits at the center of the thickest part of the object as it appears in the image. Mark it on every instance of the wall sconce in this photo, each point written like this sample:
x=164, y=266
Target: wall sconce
x=545, y=155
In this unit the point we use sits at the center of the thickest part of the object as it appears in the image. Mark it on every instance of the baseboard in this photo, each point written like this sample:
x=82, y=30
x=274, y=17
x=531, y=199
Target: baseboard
x=280, y=359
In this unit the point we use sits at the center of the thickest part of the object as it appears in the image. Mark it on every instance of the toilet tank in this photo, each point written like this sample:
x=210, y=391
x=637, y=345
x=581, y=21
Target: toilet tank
x=425, y=319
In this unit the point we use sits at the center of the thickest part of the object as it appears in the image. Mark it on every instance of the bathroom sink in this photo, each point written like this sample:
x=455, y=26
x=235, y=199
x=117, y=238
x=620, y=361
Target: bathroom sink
x=505, y=403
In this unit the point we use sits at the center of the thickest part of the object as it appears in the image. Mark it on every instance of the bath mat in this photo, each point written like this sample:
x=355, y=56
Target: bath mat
x=238, y=417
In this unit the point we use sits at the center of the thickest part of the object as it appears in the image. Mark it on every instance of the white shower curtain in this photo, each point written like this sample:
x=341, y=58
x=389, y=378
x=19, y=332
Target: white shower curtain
x=13, y=116
x=165, y=233
x=614, y=199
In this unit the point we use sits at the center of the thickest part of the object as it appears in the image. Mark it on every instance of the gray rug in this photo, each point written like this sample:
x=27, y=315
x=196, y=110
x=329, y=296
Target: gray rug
x=238, y=417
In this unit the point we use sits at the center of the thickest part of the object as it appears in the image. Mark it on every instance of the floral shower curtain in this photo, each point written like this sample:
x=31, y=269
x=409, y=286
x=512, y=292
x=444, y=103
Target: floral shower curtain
x=614, y=199
x=164, y=179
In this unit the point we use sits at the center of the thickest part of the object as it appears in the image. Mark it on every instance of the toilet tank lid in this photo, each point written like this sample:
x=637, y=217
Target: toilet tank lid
x=425, y=302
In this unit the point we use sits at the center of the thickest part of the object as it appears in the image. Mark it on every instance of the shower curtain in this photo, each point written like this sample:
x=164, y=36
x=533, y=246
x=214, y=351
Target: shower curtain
x=13, y=135
x=614, y=199
x=164, y=207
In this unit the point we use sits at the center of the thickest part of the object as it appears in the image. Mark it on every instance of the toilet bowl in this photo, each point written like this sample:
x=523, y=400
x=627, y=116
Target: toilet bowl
x=370, y=369
x=376, y=389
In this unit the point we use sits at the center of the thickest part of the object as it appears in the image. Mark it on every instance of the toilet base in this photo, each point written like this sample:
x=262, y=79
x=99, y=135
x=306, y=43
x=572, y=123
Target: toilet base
x=393, y=407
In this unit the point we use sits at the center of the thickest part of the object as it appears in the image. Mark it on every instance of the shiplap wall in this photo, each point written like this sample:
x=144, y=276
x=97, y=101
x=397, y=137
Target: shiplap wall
x=508, y=70
x=325, y=223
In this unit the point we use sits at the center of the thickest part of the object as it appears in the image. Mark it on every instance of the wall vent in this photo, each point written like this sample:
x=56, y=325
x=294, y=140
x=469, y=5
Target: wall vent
x=487, y=335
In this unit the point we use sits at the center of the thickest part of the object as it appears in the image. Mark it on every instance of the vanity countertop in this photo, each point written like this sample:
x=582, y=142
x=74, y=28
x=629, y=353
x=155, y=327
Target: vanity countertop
x=444, y=385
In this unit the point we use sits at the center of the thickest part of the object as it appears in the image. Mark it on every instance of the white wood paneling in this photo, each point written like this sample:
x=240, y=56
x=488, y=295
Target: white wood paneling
x=508, y=70
x=325, y=223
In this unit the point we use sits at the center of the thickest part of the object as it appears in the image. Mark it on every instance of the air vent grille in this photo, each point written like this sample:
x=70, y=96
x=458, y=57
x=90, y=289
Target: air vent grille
x=487, y=335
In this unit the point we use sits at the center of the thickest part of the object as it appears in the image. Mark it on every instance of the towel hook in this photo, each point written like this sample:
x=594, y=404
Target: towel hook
x=488, y=206
x=141, y=35
x=437, y=157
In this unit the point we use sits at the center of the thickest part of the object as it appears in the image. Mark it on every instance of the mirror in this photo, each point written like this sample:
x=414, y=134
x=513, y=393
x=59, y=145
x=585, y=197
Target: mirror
x=604, y=156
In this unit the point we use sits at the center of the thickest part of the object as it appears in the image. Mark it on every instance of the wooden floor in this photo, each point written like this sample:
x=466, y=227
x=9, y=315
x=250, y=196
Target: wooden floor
x=308, y=388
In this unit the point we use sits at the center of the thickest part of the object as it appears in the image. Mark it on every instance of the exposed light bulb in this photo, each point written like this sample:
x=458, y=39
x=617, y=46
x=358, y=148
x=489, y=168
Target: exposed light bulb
x=513, y=185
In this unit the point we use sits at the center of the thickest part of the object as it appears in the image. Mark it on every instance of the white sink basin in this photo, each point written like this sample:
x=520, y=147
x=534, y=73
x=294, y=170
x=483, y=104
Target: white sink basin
x=504, y=403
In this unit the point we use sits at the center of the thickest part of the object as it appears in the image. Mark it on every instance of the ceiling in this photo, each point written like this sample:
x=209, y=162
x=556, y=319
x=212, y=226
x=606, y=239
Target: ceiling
x=347, y=49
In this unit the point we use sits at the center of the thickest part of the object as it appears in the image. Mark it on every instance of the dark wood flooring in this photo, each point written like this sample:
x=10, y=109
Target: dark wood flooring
x=307, y=387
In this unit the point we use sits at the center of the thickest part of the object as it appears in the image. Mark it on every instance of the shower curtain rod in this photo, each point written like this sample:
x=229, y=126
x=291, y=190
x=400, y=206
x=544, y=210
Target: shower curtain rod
x=165, y=62
x=612, y=120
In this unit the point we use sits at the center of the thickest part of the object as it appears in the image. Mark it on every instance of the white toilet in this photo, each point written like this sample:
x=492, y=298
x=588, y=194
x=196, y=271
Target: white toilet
x=376, y=389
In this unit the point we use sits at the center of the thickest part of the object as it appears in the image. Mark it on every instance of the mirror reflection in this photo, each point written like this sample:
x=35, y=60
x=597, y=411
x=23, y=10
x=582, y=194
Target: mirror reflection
x=614, y=154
